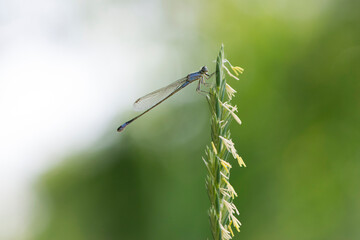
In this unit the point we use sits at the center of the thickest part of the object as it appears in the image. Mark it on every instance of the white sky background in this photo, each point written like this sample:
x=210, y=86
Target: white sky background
x=67, y=68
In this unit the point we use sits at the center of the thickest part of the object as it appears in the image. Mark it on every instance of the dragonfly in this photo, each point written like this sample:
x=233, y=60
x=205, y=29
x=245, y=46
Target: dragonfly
x=153, y=99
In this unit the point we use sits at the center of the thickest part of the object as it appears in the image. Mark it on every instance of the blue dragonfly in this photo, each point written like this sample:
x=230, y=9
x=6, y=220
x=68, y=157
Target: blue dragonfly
x=153, y=99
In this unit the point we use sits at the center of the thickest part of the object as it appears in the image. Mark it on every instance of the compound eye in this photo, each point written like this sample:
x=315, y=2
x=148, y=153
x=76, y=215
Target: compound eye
x=204, y=69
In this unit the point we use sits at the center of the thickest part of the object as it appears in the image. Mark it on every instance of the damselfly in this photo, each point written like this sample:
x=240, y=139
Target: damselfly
x=151, y=100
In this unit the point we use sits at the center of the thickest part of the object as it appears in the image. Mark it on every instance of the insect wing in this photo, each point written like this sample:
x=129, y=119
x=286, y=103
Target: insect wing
x=153, y=98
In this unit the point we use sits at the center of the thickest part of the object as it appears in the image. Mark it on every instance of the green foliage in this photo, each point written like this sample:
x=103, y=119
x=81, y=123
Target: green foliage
x=299, y=101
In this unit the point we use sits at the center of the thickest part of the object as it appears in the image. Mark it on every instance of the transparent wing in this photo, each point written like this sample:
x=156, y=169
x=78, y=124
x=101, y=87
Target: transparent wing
x=153, y=98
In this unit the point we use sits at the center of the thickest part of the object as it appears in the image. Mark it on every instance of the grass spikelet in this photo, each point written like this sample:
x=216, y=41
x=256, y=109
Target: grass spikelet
x=222, y=212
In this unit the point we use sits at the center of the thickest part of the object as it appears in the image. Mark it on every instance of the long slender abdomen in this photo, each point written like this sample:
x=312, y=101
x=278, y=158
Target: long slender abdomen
x=122, y=127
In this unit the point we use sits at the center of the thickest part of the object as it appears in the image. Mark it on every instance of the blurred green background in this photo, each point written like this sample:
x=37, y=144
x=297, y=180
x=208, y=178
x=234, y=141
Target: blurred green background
x=299, y=101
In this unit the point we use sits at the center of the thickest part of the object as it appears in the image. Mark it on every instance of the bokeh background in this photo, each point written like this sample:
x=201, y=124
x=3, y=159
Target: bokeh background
x=70, y=70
